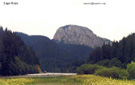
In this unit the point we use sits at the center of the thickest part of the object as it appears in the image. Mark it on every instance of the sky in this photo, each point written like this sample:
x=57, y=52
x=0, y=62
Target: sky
x=113, y=21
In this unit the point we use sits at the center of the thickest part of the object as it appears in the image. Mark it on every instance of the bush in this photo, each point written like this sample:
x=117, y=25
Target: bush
x=82, y=69
x=113, y=72
x=88, y=68
x=104, y=62
x=115, y=62
x=92, y=68
x=131, y=70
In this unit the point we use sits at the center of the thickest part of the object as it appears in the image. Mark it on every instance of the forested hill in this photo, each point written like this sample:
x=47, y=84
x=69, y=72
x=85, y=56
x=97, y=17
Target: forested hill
x=118, y=54
x=15, y=57
x=56, y=57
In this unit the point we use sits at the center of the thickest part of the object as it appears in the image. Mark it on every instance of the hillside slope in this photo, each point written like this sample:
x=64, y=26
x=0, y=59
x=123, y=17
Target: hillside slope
x=15, y=57
x=56, y=57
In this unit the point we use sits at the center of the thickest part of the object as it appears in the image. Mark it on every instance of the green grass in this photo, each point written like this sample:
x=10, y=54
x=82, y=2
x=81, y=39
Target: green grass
x=67, y=80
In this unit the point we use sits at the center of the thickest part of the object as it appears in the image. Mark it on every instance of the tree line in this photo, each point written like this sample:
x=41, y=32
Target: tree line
x=116, y=54
x=113, y=72
x=116, y=60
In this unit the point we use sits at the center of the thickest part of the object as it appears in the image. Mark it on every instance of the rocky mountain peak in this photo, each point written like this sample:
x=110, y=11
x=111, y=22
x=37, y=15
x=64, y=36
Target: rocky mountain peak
x=74, y=34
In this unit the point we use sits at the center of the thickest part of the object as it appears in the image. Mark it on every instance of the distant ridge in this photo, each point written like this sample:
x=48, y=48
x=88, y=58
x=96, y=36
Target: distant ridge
x=56, y=57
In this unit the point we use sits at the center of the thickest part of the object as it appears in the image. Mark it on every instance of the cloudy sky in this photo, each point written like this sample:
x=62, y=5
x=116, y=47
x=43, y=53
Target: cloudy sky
x=114, y=20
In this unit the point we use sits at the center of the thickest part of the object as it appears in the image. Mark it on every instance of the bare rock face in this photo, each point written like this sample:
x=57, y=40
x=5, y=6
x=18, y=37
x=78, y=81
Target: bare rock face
x=73, y=34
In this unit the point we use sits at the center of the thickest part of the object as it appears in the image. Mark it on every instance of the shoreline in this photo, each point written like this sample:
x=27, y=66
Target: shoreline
x=40, y=75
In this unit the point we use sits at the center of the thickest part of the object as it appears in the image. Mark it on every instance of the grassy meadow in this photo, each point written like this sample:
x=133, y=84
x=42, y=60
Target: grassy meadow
x=66, y=80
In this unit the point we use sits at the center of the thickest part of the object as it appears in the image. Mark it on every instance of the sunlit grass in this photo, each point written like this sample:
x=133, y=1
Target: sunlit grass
x=97, y=80
x=67, y=80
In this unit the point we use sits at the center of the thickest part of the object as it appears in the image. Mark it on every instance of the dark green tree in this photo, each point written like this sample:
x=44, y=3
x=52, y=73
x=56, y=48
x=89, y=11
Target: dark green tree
x=122, y=52
x=15, y=57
